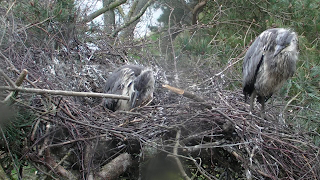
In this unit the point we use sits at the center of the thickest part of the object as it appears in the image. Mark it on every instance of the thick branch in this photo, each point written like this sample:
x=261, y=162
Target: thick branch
x=103, y=10
x=133, y=19
x=123, y=15
x=64, y=93
x=184, y=93
x=116, y=167
x=133, y=7
x=196, y=9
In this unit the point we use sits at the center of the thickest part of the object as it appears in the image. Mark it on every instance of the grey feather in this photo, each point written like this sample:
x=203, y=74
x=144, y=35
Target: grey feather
x=134, y=81
x=268, y=63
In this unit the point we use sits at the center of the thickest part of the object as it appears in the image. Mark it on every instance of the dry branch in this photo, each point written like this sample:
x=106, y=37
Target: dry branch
x=9, y=99
x=184, y=93
x=64, y=93
x=175, y=156
x=196, y=98
x=7, y=78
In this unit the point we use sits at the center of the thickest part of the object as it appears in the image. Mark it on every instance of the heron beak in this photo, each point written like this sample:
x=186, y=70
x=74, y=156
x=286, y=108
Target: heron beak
x=278, y=49
x=134, y=99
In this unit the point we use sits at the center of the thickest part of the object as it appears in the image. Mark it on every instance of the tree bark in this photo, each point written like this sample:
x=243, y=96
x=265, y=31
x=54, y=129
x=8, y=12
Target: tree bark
x=97, y=13
x=116, y=167
x=109, y=17
x=132, y=19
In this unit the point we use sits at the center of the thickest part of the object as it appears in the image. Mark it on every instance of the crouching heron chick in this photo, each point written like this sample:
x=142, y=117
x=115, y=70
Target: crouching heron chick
x=134, y=81
x=268, y=63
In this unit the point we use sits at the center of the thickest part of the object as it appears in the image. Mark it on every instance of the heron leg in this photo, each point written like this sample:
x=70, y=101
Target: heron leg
x=262, y=107
x=252, y=98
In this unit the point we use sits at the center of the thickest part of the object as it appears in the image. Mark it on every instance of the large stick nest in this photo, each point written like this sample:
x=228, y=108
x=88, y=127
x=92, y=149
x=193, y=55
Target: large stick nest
x=218, y=138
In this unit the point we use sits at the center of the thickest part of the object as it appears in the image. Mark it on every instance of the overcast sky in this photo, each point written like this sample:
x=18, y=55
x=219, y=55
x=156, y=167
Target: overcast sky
x=142, y=26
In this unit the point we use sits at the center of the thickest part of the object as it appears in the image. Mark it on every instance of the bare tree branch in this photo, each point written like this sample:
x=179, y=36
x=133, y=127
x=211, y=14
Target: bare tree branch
x=8, y=100
x=64, y=93
x=103, y=10
x=133, y=19
x=184, y=93
x=196, y=10
x=133, y=7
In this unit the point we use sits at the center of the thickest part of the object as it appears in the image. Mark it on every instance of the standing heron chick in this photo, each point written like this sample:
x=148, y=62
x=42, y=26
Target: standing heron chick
x=268, y=63
x=134, y=81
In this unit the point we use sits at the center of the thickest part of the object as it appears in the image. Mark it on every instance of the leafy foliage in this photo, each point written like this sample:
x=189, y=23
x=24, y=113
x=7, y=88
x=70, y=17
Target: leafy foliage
x=47, y=20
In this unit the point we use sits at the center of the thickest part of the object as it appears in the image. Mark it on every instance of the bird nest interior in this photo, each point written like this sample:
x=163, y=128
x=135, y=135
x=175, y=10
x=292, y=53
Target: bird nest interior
x=173, y=137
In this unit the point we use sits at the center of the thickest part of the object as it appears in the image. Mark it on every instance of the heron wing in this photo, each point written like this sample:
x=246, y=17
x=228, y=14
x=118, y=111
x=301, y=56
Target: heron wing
x=255, y=56
x=135, y=68
x=120, y=82
x=251, y=64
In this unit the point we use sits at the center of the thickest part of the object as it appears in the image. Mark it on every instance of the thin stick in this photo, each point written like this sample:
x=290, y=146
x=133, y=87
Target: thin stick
x=64, y=93
x=9, y=99
x=237, y=60
x=7, y=78
x=175, y=153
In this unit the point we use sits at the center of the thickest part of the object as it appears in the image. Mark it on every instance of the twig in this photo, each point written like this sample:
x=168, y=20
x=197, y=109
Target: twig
x=196, y=98
x=9, y=99
x=240, y=158
x=237, y=60
x=46, y=140
x=64, y=158
x=281, y=119
x=7, y=78
x=80, y=139
x=202, y=171
x=175, y=153
x=244, y=39
x=64, y=93
x=53, y=165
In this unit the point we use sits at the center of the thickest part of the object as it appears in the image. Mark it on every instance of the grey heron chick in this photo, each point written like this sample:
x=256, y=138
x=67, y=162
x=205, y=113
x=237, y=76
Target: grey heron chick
x=134, y=81
x=268, y=63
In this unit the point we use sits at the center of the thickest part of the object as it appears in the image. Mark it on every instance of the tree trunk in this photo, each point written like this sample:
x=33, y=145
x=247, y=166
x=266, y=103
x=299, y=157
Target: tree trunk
x=128, y=32
x=109, y=17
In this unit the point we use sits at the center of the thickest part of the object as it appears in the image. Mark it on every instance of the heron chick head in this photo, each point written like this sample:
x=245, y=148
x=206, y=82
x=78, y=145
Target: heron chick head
x=143, y=88
x=286, y=41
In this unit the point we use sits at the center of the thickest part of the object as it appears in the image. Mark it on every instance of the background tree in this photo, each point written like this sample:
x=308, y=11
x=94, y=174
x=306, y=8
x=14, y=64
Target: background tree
x=127, y=21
